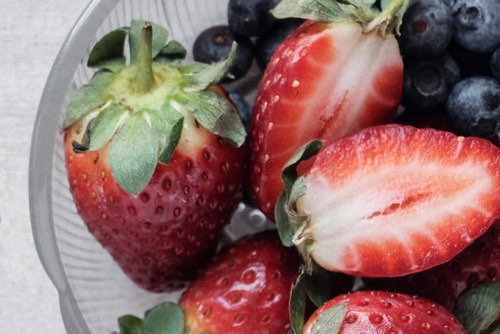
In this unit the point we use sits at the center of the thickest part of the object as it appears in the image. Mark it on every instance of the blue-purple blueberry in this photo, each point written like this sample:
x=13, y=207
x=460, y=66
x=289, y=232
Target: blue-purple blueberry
x=244, y=109
x=427, y=82
x=477, y=24
x=214, y=44
x=495, y=63
x=250, y=17
x=474, y=106
x=267, y=44
x=427, y=29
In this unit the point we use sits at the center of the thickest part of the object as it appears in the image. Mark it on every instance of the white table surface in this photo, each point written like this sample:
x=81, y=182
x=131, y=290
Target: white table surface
x=31, y=33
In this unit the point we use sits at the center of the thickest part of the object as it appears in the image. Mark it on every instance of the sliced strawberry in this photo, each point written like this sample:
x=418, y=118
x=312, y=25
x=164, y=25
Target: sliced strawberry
x=478, y=263
x=378, y=312
x=392, y=200
x=324, y=81
x=245, y=289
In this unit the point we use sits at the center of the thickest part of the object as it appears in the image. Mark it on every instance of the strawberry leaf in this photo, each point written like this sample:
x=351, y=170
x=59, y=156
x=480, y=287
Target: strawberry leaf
x=165, y=318
x=318, y=10
x=133, y=154
x=105, y=126
x=287, y=221
x=330, y=320
x=88, y=98
x=108, y=51
x=160, y=37
x=297, y=305
x=129, y=324
x=167, y=125
x=320, y=285
x=478, y=308
x=212, y=74
x=172, y=51
x=216, y=114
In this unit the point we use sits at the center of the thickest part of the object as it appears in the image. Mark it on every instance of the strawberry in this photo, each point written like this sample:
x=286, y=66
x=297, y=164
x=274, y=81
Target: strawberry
x=478, y=263
x=391, y=200
x=155, y=156
x=245, y=289
x=378, y=312
x=339, y=72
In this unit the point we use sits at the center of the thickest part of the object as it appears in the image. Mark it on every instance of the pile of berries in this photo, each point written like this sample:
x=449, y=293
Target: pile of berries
x=375, y=153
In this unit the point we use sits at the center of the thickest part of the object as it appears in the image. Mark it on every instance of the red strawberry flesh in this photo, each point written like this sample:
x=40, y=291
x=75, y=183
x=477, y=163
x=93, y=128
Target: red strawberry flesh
x=392, y=200
x=323, y=82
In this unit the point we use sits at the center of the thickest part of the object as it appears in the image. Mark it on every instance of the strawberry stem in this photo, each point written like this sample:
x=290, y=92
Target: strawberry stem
x=389, y=20
x=144, y=60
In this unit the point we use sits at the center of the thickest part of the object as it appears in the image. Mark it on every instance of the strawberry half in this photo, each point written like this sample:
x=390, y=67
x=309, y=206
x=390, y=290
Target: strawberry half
x=479, y=263
x=378, y=312
x=391, y=200
x=339, y=72
x=152, y=156
x=245, y=289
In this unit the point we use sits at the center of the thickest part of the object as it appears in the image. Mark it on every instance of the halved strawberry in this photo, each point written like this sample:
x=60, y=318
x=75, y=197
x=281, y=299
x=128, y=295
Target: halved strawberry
x=478, y=263
x=339, y=72
x=391, y=200
x=378, y=312
x=154, y=156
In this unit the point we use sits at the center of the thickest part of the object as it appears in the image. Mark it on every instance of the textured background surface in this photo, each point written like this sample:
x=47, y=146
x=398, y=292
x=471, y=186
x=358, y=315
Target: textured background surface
x=31, y=33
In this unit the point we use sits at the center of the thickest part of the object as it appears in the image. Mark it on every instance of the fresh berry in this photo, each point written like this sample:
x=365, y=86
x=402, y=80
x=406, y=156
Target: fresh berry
x=243, y=107
x=378, y=312
x=214, y=44
x=324, y=81
x=267, y=43
x=476, y=24
x=427, y=29
x=250, y=17
x=495, y=63
x=433, y=119
x=478, y=263
x=427, y=82
x=245, y=289
x=151, y=178
x=474, y=106
x=392, y=200
x=470, y=63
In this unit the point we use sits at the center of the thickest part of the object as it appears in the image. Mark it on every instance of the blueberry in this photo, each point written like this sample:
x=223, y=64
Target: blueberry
x=267, y=44
x=477, y=24
x=427, y=29
x=250, y=17
x=474, y=106
x=214, y=44
x=243, y=107
x=495, y=64
x=427, y=82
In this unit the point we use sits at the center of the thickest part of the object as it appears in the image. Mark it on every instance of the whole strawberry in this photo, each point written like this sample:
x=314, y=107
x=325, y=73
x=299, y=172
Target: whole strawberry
x=339, y=72
x=478, y=263
x=152, y=156
x=390, y=200
x=245, y=289
x=378, y=312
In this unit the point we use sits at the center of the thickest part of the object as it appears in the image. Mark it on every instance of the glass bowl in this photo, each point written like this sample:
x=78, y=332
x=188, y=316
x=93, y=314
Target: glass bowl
x=93, y=290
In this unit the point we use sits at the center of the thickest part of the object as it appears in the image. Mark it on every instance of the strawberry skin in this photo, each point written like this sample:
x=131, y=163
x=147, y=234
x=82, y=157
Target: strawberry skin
x=478, y=263
x=162, y=236
x=324, y=81
x=245, y=289
x=393, y=200
x=378, y=312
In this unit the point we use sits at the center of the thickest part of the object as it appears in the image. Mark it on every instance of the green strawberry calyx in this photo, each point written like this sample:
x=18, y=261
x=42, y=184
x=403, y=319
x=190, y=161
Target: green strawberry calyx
x=141, y=108
x=386, y=19
x=166, y=318
x=292, y=225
